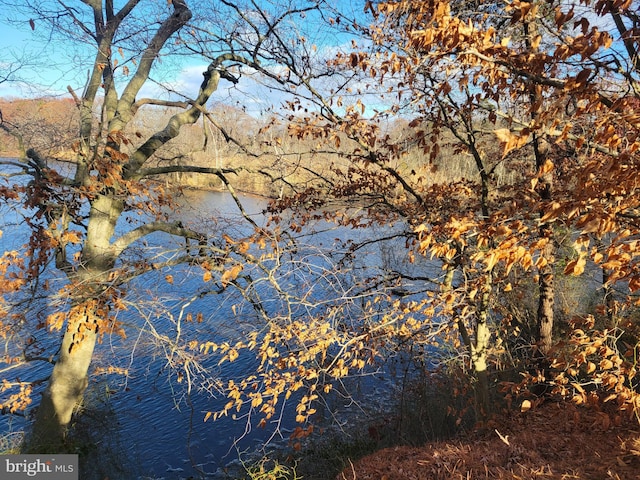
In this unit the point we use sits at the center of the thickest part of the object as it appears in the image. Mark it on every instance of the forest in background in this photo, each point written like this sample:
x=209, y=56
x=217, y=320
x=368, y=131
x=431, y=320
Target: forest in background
x=50, y=125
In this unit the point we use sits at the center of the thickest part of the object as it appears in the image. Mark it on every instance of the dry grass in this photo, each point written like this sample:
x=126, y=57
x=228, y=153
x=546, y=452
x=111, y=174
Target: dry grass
x=556, y=441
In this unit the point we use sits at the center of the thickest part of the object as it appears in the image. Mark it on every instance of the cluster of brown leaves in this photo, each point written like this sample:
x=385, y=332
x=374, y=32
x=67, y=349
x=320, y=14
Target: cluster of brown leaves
x=555, y=441
x=18, y=401
x=594, y=366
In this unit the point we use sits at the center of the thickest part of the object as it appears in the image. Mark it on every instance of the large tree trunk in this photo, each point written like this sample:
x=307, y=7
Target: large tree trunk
x=64, y=392
x=69, y=378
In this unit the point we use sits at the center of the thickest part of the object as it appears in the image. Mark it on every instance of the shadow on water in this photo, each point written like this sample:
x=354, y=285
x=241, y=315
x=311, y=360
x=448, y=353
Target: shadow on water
x=139, y=444
x=146, y=424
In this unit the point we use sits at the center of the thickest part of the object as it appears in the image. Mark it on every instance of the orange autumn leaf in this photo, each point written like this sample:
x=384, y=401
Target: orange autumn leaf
x=231, y=274
x=575, y=267
x=509, y=141
x=634, y=284
x=72, y=236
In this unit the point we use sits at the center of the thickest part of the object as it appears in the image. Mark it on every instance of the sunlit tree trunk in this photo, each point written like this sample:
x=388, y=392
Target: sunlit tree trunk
x=480, y=348
x=64, y=392
x=69, y=378
x=477, y=346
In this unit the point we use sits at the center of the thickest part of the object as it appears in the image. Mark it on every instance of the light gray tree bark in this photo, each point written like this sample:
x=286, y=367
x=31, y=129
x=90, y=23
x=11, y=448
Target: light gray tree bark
x=101, y=249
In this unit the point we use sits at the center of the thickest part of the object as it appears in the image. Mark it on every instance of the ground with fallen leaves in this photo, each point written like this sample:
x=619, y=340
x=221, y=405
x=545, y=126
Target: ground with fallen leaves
x=553, y=441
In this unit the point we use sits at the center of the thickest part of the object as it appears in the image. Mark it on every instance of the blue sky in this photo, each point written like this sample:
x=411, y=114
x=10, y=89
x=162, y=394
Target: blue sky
x=45, y=71
x=52, y=77
x=50, y=69
x=14, y=45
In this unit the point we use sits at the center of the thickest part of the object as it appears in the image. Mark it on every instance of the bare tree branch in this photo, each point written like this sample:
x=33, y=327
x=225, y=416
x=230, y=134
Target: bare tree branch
x=175, y=229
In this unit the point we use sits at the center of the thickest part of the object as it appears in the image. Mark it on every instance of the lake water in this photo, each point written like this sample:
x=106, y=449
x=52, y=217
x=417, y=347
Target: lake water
x=147, y=424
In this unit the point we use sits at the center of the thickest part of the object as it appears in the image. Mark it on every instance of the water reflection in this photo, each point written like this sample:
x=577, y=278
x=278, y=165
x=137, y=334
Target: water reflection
x=148, y=424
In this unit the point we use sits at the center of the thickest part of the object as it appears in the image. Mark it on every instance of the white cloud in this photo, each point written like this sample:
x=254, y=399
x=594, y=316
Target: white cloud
x=250, y=93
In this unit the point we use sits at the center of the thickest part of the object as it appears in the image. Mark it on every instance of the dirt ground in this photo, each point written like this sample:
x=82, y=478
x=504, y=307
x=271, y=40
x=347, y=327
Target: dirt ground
x=554, y=441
